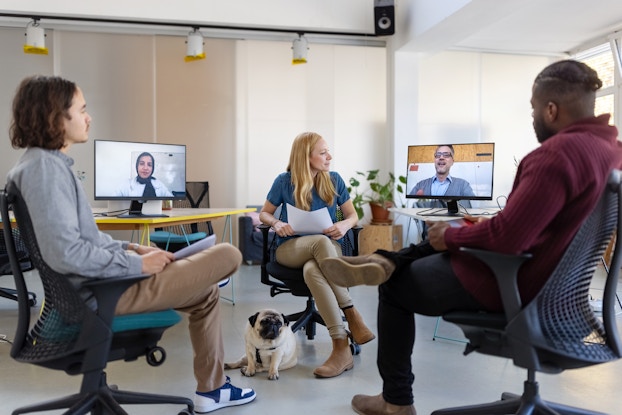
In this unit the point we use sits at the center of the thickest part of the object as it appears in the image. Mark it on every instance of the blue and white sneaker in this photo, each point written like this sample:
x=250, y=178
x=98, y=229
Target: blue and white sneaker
x=226, y=395
x=224, y=282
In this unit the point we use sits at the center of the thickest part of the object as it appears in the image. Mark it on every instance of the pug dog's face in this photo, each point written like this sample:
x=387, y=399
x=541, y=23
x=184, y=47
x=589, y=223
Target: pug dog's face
x=268, y=323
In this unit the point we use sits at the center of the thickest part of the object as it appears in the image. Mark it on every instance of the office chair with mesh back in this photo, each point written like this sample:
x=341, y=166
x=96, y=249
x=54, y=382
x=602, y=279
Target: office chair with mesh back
x=76, y=330
x=173, y=238
x=5, y=266
x=282, y=279
x=558, y=329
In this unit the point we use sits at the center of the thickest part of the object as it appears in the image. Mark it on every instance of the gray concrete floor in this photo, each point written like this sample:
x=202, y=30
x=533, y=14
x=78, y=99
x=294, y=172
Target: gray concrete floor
x=444, y=377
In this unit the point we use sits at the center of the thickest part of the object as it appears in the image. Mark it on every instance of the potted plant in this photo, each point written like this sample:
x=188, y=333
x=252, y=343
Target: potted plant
x=380, y=195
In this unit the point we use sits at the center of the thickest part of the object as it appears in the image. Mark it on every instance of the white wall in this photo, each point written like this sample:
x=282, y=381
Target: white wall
x=340, y=94
x=466, y=97
x=492, y=106
x=11, y=73
x=195, y=105
x=238, y=110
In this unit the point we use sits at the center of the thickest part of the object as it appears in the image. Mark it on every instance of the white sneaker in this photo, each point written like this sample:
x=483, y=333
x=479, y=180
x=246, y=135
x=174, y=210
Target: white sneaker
x=226, y=395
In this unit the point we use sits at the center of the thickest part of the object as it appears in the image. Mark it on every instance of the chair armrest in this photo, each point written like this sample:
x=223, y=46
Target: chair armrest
x=128, y=280
x=107, y=292
x=265, y=256
x=505, y=269
x=355, y=236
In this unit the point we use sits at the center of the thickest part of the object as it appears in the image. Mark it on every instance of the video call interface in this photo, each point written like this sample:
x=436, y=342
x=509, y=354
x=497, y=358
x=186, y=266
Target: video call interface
x=471, y=162
x=115, y=167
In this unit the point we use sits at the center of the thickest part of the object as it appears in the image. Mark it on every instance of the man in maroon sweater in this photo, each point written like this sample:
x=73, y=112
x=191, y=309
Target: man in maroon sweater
x=556, y=187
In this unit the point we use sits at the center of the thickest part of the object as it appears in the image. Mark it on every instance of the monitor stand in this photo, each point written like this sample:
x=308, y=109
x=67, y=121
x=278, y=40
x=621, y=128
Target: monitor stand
x=452, y=210
x=144, y=209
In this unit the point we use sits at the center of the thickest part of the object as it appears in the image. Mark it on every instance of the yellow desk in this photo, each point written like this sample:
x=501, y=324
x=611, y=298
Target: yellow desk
x=176, y=217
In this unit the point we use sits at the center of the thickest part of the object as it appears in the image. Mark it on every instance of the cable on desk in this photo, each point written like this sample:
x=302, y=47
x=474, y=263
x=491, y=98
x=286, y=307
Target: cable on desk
x=111, y=213
x=499, y=204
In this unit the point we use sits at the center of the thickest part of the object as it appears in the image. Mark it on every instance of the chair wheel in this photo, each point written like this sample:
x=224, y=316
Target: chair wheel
x=155, y=356
x=355, y=349
x=186, y=412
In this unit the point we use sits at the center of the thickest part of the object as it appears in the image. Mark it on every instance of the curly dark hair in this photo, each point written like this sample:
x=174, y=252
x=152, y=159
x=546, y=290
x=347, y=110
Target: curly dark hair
x=570, y=83
x=39, y=106
x=570, y=74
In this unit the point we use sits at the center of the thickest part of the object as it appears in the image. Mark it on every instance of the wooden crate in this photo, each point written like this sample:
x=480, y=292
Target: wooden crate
x=373, y=237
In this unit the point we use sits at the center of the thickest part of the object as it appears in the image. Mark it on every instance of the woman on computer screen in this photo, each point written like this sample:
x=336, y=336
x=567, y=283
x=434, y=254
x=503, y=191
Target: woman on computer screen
x=144, y=184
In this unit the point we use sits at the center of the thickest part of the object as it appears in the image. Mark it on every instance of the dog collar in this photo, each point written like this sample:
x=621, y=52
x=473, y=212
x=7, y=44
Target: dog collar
x=258, y=357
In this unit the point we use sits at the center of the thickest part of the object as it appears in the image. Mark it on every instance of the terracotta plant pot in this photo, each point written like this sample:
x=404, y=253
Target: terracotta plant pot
x=380, y=214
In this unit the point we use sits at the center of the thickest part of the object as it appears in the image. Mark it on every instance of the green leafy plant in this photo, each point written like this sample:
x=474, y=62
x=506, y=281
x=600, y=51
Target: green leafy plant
x=380, y=192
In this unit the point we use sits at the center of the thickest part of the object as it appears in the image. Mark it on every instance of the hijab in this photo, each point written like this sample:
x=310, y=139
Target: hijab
x=149, y=189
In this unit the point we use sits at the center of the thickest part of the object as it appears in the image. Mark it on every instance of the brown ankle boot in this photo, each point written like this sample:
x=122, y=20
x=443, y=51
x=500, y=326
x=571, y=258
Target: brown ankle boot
x=339, y=361
x=375, y=270
x=360, y=333
x=376, y=405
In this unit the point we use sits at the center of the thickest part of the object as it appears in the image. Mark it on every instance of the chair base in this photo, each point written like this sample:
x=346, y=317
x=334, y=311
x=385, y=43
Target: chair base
x=528, y=403
x=11, y=294
x=105, y=400
x=307, y=319
x=435, y=335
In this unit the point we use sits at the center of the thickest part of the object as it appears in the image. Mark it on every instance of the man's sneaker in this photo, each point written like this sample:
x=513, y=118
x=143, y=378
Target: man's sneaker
x=226, y=395
x=224, y=282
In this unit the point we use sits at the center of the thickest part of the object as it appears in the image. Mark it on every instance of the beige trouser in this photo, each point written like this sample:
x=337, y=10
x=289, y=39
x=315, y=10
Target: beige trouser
x=305, y=252
x=190, y=285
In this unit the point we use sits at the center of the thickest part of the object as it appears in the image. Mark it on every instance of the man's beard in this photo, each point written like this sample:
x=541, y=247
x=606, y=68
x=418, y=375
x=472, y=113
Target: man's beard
x=543, y=132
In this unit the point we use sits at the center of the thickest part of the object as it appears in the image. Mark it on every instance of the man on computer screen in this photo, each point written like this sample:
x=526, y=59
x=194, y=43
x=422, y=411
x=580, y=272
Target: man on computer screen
x=442, y=183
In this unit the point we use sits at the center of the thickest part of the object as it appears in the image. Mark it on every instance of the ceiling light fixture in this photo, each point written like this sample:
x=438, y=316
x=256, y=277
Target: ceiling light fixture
x=194, y=48
x=300, y=48
x=35, y=38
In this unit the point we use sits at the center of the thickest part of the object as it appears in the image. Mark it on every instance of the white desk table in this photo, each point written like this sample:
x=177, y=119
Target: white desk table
x=420, y=213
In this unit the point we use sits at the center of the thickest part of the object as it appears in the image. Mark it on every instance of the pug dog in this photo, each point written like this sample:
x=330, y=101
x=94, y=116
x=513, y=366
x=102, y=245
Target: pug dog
x=270, y=345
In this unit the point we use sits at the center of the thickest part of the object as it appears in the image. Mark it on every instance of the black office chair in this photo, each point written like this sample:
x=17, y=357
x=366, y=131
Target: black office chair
x=282, y=279
x=558, y=329
x=173, y=238
x=5, y=266
x=76, y=330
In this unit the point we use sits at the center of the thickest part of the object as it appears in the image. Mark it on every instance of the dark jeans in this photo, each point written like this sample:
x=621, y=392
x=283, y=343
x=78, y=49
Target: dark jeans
x=422, y=283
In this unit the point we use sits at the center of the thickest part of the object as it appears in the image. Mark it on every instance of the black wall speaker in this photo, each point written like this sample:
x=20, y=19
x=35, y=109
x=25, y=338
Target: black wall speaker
x=384, y=17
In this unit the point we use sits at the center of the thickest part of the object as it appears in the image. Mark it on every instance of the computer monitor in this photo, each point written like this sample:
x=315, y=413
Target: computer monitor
x=470, y=169
x=139, y=172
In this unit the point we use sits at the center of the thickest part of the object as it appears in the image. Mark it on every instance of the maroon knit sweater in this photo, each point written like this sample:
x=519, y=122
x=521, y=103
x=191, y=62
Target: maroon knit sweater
x=555, y=189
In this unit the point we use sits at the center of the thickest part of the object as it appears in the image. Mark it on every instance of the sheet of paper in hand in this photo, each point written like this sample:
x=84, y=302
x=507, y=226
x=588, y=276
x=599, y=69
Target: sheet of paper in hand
x=304, y=222
x=199, y=245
